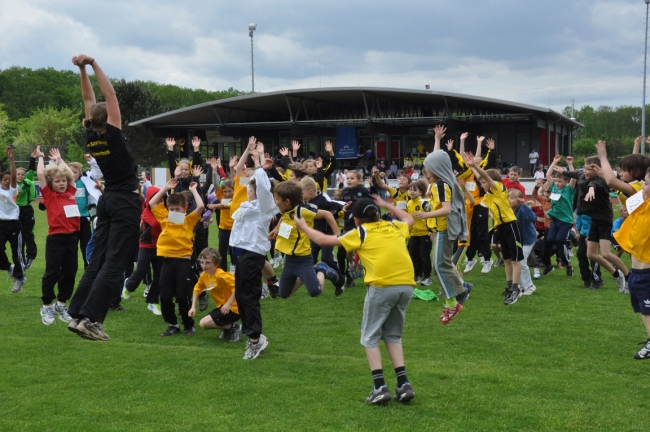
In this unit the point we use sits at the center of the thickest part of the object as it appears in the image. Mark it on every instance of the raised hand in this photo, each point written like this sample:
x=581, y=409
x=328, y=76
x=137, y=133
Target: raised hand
x=212, y=162
x=328, y=147
x=319, y=162
x=171, y=143
x=490, y=144
x=252, y=143
x=39, y=152
x=569, y=160
x=82, y=60
x=284, y=151
x=468, y=158
x=450, y=144
x=295, y=145
x=260, y=148
x=439, y=131
x=54, y=154
x=480, y=139
x=35, y=152
x=539, y=182
x=193, y=186
x=601, y=148
x=233, y=161
x=197, y=171
x=88, y=157
x=464, y=136
x=557, y=169
x=557, y=158
x=196, y=143
x=10, y=153
x=171, y=184
x=218, y=162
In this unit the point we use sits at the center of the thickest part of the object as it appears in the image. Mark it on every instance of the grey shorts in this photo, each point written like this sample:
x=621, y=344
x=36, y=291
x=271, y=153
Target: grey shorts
x=383, y=314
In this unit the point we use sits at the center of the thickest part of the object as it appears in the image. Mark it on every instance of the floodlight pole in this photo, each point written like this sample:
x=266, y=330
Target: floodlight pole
x=645, y=62
x=251, y=28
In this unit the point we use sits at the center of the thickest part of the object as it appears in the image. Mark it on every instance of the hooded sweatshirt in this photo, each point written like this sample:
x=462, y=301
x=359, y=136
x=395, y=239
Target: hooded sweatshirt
x=150, y=226
x=439, y=164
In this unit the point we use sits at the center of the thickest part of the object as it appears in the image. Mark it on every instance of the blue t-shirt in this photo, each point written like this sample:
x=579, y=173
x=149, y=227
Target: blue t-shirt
x=617, y=225
x=526, y=220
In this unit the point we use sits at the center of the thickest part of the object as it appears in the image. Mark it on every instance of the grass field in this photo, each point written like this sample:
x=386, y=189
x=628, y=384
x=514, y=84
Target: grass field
x=558, y=360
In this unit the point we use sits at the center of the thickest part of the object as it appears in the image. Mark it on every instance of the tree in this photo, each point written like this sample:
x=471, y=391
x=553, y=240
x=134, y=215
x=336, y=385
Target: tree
x=46, y=126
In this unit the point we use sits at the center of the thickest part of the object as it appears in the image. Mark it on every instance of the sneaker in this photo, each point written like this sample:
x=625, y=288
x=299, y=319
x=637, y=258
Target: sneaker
x=190, y=331
x=547, y=270
x=487, y=266
x=379, y=396
x=330, y=274
x=499, y=262
x=530, y=290
x=645, y=351
x=569, y=271
x=265, y=292
x=18, y=285
x=274, y=289
x=73, y=328
x=349, y=280
x=469, y=265
x=404, y=393
x=418, y=279
x=125, y=292
x=620, y=280
x=512, y=295
x=339, y=288
x=536, y=274
x=91, y=330
x=448, y=314
x=171, y=330
x=62, y=312
x=28, y=263
x=154, y=308
x=146, y=290
x=47, y=315
x=118, y=307
x=253, y=350
x=426, y=282
x=627, y=289
x=597, y=284
x=203, y=302
x=235, y=333
x=587, y=284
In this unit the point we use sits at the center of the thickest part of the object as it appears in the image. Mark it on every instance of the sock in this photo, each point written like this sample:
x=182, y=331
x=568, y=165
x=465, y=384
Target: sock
x=378, y=377
x=272, y=280
x=515, y=287
x=617, y=273
x=400, y=373
x=450, y=302
x=509, y=285
x=60, y=303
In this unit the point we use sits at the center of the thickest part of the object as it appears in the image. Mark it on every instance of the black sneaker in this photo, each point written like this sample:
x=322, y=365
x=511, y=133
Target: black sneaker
x=235, y=333
x=645, y=351
x=118, y=307
x=189, y=331
x=274, y=289
x=339, y=289
x=597, y=284
x=404, y=393
x=547, y=270
x=329, y=273
x=512, y=296
x=171, y=330
x=588, y=283
x=379, y=396
x=569, y=271
x=203, y=302
x=349, y=280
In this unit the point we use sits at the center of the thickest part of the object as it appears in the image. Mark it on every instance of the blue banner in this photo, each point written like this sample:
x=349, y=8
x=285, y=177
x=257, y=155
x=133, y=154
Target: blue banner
x=346, y=142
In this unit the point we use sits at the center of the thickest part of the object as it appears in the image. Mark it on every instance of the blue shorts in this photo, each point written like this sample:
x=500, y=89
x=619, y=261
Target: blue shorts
x=639, y=285
x=299, y=267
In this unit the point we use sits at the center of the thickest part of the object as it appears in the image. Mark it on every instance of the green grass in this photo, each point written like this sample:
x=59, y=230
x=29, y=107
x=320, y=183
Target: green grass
x=558, y=360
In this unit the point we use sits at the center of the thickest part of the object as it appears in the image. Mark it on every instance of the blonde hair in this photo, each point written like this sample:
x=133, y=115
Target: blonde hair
x=494, y=175
x=308, y=183
x=98, y=117
x=517, y=193
x=76, y=165
x=55, y=170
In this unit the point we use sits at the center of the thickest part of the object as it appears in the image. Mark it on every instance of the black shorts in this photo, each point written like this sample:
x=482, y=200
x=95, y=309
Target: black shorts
x=600, y=230
x=223, y=320
x=639, y=285
x=509, y=237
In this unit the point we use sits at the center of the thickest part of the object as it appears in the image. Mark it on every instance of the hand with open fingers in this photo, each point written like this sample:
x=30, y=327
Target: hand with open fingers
x=468, y=158
x=328, y=146
x=601, y=148
x=55, y=154
x=252, y=143
x=557, y=169
x=439, y=131
x=233, y=161
x=284, y=151
x=196, y=143
x=490, y=144
x=260, y=148
x=295, y=145
x=590, y=195
x=450, y=145
x=212, y=162
x=419, y=215
x=171, y=143
x=464, y=136
x=197, y=171
x=225, y=309
x=171, y=184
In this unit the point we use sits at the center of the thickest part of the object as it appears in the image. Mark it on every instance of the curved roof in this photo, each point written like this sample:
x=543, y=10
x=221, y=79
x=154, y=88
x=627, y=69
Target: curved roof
x=347, y=106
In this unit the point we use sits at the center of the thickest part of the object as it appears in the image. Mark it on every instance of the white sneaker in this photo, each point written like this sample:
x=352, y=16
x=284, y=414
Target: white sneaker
x=62, y=312
x=125, y=292
x=530, y=290
x=621, y=282
x=232, y=269
x=18, y=285
x=426, y=282
x=418, y=279
x=154, y=308
x=469, y=265
x=47, y=315
x=487, y=266
x=146, y=291
x=536, y=274
x=265, y=292
x=254, y=350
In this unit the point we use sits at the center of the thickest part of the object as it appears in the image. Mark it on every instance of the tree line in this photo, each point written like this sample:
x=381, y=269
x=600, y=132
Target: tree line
x=44, y=107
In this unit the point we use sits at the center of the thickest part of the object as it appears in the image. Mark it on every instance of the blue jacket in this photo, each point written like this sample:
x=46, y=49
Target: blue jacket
x=583, y=224
x=526, y=220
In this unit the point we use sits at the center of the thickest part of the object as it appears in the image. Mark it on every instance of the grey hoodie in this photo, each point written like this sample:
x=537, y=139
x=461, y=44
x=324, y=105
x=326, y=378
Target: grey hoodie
x=439, y=164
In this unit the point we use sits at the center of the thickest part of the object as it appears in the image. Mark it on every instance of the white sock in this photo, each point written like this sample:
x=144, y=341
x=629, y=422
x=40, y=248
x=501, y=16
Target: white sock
x=60, y=303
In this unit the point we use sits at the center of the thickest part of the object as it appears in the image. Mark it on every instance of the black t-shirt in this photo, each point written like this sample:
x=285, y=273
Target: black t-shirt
x=114, y=158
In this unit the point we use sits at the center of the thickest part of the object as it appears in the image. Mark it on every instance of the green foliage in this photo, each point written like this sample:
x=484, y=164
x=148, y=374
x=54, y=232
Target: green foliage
x=74, y=153
x=47, y=127
x=174, y=97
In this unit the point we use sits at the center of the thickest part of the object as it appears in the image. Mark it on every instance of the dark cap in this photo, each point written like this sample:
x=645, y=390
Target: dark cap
x=365, y=208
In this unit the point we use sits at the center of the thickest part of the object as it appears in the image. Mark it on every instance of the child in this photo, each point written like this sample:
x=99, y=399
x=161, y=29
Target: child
x=615, y=228
x=526, y=221
x=10, y=230
x=506, y=229
x=221, y=285
x=591, y=276
x=561, y=215
x=512, y=181
x=224, y=193
x=419, y=244
x=355, y=190
x=175, y=245
x=390, y=280
x=299, y=265
x=61, y=256
x=447, y=222
x=401, y=195
x=27, y=194
x=633, y=238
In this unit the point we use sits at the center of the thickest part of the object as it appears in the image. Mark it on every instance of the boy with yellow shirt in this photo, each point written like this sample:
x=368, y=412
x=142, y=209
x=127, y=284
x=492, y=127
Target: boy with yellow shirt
x=634, y=238
x=419, y=244
x=390, y=279
x=299, y=265
x=175, y=245
x=221, y=286
x=400, y=195
x=506, y=229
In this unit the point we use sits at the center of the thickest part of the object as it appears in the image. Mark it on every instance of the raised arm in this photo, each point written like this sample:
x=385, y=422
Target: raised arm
x=40, y=167
x=198, y=211
x=155, y=200
x=479, y=146
x=439, y=134
x=239, y=169
x=87, y=92
x=377, y=180
x=463, y=137
x=469, y=161
x=637, y=145
x=12, y=166
x=607, y=173
x=569, y=165
x=112, y=105
x=551, y=170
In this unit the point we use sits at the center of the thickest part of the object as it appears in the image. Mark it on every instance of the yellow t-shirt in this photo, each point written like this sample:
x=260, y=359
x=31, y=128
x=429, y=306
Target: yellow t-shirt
x=290, y=240
x=382, y=249
x=225, y=221
x=496, y=199
x=636, y=184
x=400, y=197
x=419, y=228
x=440, y=192
x=240, y=195
x=175, y=240
x=221, y=285
x=634, y=235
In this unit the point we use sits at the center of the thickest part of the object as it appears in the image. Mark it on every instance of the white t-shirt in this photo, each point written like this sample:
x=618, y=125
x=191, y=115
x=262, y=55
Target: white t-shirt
x=533, y=157
x=8, y=208
x=539, y=175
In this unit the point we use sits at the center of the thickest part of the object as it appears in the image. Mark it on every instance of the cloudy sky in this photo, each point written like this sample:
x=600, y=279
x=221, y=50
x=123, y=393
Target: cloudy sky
x=539, y=52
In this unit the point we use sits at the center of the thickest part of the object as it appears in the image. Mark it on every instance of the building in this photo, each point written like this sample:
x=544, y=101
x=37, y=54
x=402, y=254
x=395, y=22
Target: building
x=364, y=122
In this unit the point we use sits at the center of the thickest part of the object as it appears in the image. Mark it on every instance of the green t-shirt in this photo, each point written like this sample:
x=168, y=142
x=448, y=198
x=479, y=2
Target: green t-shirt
x=562, y=203
x=26, y=190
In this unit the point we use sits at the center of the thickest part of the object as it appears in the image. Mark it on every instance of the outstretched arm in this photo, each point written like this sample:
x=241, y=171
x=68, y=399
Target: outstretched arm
x=155, y=200
x=40, y=167
x=12, y=166
x=439, y=134
x=112, y=106
x=469, y=161
x=606, y=172
x=551, y=169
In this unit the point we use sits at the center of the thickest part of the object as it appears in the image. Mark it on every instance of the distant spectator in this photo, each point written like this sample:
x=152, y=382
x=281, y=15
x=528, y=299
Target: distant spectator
x=393, y=167
x=532, y=159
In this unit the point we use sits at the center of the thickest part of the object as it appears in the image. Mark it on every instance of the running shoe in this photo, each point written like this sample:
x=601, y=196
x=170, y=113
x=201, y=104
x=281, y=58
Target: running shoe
x=154, y=308
x=253, y=350
x=62, y=312
x=645, y=351
x=47, y=315
x=404, y=393
x=469, y=265
x=448, y=314
x=171, y=330
x=91, y=330
x=18, y=285
x=379, y=396
x=487, y=266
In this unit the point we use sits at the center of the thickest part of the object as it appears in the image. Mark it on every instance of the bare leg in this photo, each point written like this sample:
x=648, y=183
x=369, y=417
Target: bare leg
x=396, y=354
x=267, y=271
x=374, y=358
x=207, y=323
x=646, y=322
x=606, y=252
x=592, y=254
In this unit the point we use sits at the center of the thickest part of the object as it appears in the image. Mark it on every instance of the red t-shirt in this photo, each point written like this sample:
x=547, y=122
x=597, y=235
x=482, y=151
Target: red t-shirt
x=56, y=217
x=509, y=185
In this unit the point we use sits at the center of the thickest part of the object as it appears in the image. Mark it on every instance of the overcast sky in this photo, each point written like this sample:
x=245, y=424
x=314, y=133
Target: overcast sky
x=539, y=52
